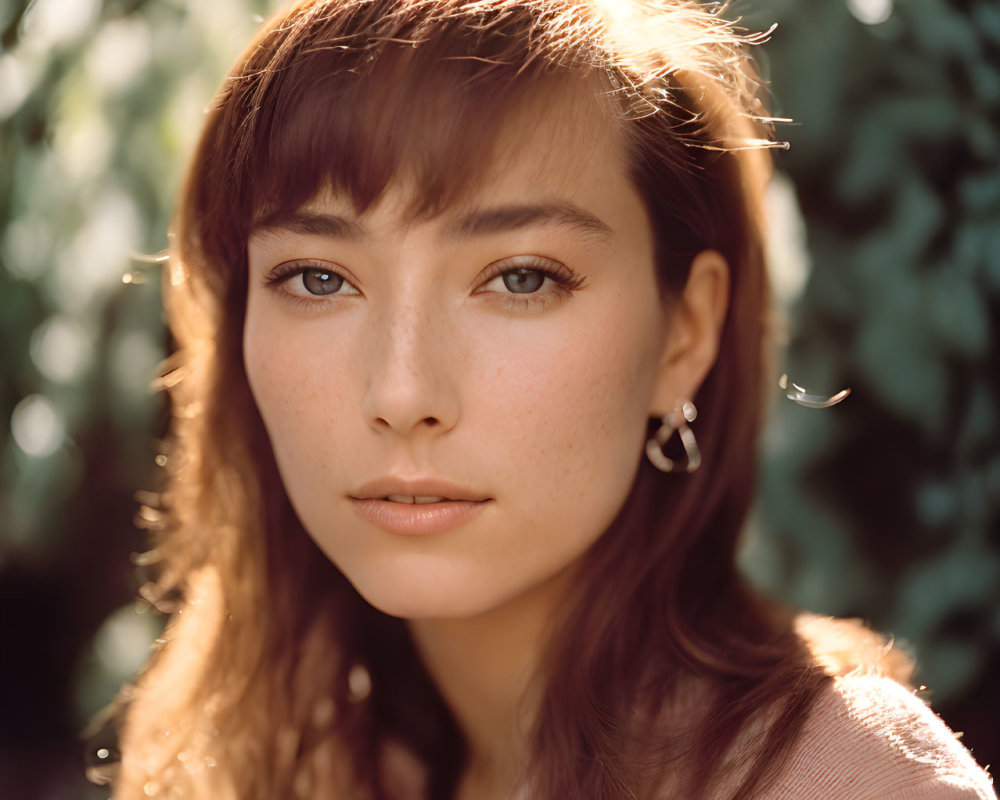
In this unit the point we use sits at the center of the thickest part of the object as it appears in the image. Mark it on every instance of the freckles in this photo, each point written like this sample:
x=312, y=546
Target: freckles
x=298, y=383
x=562, y=396
x=267, y=375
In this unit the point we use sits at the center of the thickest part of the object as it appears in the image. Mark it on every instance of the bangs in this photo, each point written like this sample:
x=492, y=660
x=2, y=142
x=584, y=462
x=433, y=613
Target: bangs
x=352, y=119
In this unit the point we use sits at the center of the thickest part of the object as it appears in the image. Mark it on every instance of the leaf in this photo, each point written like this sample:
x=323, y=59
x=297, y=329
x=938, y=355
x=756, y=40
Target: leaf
x=956, y=310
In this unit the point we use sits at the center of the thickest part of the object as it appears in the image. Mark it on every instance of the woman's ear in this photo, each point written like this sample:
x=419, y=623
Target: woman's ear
x=693, y=332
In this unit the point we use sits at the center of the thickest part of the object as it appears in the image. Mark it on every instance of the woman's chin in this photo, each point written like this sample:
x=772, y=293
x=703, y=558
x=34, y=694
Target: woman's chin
x=431, y=594
x=418, y=605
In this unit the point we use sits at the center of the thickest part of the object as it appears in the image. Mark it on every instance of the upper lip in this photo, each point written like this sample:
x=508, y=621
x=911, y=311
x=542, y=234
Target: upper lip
x=415, y=487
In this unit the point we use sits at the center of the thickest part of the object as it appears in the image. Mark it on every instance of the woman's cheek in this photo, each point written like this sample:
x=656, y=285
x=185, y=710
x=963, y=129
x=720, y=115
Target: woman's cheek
x=569, y=405
x=296, y=377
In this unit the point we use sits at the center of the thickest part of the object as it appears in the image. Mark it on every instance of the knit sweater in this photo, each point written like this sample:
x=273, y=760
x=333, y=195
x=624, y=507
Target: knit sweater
x=869, y=738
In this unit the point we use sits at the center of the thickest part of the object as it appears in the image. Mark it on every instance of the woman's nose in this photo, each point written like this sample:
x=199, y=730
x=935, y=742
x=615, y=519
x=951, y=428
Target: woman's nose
x=411, y=380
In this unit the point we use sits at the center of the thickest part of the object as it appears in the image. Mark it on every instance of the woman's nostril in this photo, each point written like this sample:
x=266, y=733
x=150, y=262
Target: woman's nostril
x=430, y=422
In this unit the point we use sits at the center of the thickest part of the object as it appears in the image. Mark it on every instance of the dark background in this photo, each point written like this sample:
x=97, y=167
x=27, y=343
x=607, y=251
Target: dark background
x=886, y=258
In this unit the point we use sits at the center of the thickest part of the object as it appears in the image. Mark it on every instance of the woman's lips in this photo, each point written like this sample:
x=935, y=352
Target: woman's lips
x=418, y=518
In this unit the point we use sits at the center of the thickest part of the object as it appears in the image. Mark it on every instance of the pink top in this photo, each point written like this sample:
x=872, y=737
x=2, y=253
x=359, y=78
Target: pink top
x=866, y=738
x=869, y=738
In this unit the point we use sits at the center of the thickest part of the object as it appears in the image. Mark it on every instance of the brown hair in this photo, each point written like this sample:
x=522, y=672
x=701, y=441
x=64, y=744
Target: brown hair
x=258, y=690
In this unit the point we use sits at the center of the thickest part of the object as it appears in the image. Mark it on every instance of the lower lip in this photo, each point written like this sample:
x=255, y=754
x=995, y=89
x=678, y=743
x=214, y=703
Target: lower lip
x=418, y=519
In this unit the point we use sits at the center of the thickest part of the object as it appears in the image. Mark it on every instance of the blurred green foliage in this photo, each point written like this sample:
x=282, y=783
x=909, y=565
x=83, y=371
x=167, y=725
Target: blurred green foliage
x=885, y=507
x=888, y=506
x=99, y=104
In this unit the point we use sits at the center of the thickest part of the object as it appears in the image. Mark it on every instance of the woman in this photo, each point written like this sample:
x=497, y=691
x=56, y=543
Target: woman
x=471, y=320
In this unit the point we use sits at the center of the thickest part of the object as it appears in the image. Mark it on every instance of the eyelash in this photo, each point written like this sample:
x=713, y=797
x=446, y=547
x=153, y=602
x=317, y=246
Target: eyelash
x=565, y=280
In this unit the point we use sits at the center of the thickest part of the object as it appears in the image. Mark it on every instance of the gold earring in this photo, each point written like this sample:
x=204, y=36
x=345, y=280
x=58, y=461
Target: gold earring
x=676, y=421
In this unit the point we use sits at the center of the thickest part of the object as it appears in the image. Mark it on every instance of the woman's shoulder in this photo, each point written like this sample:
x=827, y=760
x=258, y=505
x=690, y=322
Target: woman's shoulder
x=868, y=736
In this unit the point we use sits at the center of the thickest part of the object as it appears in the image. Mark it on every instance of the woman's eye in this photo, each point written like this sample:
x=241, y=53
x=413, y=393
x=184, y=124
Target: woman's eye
x=531, y=281
x=310, y=282
x=523, y=281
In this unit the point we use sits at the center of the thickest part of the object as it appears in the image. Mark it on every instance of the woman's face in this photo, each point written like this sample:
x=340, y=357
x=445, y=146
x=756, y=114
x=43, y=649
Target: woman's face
x=497, y=363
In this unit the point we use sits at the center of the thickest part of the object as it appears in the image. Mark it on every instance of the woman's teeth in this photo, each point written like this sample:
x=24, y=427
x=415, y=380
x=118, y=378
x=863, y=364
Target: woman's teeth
x=406, y=498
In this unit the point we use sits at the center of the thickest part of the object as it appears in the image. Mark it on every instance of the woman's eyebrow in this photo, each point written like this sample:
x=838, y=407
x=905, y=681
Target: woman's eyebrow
x=480, y=222
x=311, y=223
x=502, y=219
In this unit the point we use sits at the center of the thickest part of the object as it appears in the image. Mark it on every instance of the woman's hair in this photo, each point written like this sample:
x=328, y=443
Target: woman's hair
x=275, y=679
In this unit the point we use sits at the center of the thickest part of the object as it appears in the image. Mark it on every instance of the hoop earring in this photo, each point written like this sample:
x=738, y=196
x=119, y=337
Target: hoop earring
x=676, y=421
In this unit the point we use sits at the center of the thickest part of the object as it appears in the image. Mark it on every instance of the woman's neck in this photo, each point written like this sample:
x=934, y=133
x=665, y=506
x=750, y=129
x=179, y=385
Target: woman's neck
x=486, y=670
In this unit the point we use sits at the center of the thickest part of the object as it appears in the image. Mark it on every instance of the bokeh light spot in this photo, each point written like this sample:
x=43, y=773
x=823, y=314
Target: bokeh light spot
x=83, y=147
x=27, y=247
x=870, y=12
x=50, y=23
x=119, y=53
x=788, y=255
x=14, y=84
x=116, y=653
x=99, y=253
x=134, y=359
x=61, y=348
x=36, y=426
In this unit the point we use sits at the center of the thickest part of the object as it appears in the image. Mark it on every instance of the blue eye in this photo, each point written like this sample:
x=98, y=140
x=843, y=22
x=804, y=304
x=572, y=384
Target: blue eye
x=523, y=281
